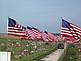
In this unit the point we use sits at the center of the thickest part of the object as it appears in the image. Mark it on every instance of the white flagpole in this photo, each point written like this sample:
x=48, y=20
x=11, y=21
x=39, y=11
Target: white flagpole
x=7, y=25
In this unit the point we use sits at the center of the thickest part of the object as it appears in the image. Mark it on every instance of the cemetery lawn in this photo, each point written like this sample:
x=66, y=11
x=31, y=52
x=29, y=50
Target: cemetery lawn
x=26, y=50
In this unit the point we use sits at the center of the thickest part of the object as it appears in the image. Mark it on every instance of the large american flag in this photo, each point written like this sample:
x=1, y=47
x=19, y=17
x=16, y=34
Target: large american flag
x=70, y=31
x=16, y=29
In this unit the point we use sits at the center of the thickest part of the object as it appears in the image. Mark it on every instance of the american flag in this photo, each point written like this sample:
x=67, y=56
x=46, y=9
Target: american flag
x=15, y=29
x=70, y=31
x=45, y=36
x=30, y=33
x=37, y=33
x=52, y=37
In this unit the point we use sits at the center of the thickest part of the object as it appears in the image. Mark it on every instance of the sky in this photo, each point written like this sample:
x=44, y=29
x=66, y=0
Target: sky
x=42, y=14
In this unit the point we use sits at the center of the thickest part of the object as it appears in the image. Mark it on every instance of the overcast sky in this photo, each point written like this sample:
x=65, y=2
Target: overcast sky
x=42, y=14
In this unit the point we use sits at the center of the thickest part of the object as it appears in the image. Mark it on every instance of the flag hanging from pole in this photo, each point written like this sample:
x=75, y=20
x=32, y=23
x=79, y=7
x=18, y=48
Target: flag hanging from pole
x=30, y=33
x=52, y=37
x=15, y=29
x=70, y=31
x=45, y=36
x=37, y=33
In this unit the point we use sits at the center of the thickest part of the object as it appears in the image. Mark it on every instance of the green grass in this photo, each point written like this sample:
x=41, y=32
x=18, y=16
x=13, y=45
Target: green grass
x=39, y=52
x=71, y=54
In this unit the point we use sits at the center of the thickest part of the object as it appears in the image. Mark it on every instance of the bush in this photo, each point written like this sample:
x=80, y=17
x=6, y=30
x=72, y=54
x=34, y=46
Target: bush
x=72, y=53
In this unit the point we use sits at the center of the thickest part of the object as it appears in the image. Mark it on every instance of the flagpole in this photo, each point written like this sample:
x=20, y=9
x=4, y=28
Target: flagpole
x=7, y=25
x=61, y=26
x=62, y=40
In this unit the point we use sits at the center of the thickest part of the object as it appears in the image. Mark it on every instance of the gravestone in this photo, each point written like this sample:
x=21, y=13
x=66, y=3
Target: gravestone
x=5, y=56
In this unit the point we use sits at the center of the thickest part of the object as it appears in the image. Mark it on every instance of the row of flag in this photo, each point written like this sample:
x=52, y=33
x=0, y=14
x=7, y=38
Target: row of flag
x=69, y=32
x=29, y=33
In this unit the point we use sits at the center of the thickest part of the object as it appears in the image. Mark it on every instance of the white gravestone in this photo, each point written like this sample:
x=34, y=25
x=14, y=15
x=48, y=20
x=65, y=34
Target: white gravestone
x=5, y=56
